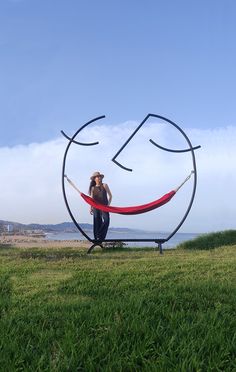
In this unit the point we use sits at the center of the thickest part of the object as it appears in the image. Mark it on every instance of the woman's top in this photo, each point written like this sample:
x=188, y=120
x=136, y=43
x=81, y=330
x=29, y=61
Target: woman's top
x=100, y=195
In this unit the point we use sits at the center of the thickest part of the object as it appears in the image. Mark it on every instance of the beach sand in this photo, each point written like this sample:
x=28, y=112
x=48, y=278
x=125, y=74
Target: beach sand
x=38, y=242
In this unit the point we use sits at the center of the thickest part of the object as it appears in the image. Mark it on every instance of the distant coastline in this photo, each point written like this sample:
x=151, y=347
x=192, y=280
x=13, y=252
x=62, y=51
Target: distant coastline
x=67, y=231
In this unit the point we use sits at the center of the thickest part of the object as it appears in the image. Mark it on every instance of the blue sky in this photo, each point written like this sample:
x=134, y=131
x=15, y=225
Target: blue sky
x=63, y=63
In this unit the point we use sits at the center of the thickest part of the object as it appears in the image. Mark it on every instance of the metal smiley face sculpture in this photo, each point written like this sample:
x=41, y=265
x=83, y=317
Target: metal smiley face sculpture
x=189, y=148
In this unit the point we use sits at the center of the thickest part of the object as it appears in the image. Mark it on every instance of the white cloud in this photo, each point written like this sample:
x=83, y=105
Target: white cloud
x=30, y=190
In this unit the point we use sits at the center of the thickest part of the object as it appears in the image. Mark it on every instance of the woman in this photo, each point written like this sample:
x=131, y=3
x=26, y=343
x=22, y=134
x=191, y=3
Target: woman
x=101, y=193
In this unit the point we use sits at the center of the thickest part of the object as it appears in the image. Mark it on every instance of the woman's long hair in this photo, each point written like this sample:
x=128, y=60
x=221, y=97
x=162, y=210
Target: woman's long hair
x=92, y=184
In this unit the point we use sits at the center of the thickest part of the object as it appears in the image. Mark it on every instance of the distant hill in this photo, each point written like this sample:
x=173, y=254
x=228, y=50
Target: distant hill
x=60, y=227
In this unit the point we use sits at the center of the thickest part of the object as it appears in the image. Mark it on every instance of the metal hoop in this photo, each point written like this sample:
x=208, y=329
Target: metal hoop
x=191, y=149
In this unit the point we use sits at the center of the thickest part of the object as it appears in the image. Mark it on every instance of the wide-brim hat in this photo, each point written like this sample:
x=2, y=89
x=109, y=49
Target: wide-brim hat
x=96, y=174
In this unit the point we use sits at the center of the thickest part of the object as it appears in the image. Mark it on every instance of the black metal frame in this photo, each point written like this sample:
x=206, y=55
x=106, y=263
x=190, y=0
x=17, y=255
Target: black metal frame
x=160, y=242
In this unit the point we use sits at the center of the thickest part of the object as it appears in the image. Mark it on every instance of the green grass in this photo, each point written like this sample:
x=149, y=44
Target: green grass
x=64, y=310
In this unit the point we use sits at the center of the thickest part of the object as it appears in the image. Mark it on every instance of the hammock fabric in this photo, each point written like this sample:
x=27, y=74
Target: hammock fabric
x=130, y=210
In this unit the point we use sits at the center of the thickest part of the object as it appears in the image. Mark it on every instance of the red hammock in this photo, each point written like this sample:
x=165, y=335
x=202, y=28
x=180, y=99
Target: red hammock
x=130, y=210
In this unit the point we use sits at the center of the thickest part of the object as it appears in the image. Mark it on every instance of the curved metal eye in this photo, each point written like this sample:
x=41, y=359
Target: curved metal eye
x=72, y=140
x=78, y=143
x=171, y=150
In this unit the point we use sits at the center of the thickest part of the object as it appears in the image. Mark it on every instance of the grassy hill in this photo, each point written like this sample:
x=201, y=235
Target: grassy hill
x=131, y=310
x=211, y=240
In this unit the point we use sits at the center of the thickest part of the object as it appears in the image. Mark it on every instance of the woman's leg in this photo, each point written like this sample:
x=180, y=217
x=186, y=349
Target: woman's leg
x=104, y=226
x=97, y=224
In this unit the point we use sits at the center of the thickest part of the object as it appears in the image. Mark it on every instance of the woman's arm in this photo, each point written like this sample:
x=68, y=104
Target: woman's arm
x=108, y=193
x=91, y=208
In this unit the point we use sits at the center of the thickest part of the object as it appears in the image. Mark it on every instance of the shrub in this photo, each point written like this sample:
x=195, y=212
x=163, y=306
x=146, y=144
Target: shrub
x=210, y=240
x=114, y=245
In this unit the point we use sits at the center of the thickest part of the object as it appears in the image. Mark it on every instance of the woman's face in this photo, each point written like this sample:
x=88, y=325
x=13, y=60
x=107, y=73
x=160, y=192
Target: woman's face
x=98, y=179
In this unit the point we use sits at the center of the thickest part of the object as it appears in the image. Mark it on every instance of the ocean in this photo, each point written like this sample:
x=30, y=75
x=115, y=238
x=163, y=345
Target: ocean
x=126, y=234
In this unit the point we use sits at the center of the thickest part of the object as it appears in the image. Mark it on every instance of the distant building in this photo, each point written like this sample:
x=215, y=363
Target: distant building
x=10, y=228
